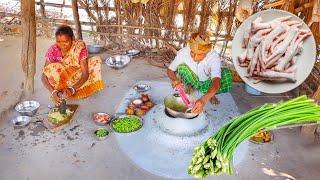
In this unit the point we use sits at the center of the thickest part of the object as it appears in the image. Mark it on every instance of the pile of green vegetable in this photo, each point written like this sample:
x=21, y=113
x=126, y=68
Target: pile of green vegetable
x=102, y=132
x=216, y=154
x=56, y=117
x=126, y=124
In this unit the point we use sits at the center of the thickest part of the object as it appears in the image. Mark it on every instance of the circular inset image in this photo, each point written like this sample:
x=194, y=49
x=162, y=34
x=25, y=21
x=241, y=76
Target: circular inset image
x=270, y=77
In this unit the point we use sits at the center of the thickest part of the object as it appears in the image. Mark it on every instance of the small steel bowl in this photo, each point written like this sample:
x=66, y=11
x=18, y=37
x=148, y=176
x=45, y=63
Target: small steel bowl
x=101, y=138
x=95, y=48
x=132, y=52
x=141, y=87
x=118, y=61
x=137, y=102
x=21, y=121
x=101, y=123
x=27, y=108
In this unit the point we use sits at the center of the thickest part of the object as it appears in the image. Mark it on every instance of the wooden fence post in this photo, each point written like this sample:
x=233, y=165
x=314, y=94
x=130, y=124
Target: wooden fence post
x=28, y=54
x=76, y=18
x=42, y=9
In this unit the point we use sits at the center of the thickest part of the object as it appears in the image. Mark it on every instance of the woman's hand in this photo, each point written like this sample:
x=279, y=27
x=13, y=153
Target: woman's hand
x=198, y=106
x=68, y=92
x=174, y=80
x=56, y=97
x=175, y=83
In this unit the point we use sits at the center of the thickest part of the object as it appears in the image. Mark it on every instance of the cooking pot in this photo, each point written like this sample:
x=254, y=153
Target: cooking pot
x=176, y=108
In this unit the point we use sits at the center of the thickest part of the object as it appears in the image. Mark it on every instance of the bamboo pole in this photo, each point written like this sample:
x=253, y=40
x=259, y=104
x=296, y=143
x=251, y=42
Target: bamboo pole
x=118, y=16
x=186, y=18
x=28, y=54
x=274, y=4
x=315, y=13
x=185, y=30
x=84, y=4
x=204, y=17
x=139, y=36
x=42, y=9
x=76, y=18
x=101, y=25
x=221, y=37
x=231, y=15
x=289, y=5
x=169, y=19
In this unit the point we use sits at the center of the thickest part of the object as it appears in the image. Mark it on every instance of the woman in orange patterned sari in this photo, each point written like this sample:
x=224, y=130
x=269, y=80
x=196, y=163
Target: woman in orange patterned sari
x=68, y=71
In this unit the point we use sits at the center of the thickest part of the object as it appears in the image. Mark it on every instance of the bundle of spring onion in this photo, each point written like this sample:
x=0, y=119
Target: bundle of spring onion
x=216, y=154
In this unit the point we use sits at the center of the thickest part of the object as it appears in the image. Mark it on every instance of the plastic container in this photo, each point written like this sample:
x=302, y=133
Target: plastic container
x=251, y=90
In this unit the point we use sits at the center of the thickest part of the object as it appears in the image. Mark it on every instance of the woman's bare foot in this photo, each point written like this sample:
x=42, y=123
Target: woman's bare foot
x=214, y=100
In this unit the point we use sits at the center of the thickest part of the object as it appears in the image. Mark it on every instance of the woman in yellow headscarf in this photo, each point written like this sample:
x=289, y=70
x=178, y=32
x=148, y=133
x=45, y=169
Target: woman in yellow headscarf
x=68, y=71
x=199, y=66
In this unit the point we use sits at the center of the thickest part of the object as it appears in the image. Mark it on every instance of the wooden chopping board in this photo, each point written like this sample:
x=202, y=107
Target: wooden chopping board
x=53, y=127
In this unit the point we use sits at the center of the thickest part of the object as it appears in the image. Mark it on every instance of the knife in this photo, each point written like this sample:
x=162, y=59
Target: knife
x=63, y=106
x=181, y=90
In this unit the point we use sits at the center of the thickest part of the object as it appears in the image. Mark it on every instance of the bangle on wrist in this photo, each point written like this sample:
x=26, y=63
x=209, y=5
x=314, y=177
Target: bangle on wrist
x=59, y=94
x=73, y=90
x=54, y=91
x=175, y=82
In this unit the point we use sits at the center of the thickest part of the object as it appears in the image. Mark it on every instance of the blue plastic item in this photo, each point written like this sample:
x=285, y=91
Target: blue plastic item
x=251, y=90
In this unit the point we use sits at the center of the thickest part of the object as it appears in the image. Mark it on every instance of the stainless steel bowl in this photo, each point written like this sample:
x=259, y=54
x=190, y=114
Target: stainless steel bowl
x=132, y=52
x=27, y=108
x=118, y=61
x=101, y=123
x=141, y=87
x=101, y=138
x=21, y=121
x=95, y=48
x=176, y=108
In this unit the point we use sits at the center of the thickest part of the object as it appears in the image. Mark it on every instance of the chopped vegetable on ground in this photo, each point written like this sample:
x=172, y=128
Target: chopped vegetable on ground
x=56, y=117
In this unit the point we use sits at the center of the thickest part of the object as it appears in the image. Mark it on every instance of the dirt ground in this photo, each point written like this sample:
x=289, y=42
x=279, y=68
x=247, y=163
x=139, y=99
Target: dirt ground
x=34, y=153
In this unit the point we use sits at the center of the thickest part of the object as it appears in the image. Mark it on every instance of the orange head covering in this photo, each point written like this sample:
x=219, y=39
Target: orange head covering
x=200, y=43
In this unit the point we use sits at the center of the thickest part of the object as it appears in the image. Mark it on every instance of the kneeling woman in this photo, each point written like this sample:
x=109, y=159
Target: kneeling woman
x=198, y=66
x=68, y=71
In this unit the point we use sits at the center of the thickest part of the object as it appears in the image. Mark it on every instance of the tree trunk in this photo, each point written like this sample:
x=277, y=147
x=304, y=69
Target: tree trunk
x=76, y=18
x=28, y=54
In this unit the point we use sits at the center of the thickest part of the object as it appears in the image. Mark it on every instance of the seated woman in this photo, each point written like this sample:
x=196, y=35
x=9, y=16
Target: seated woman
x=68, y=71
x=198, y=66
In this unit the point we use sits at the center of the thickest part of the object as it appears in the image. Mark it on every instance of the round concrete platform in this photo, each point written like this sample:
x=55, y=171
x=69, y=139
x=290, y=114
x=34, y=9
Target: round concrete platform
x=178, y=126
x=165, y=148
x=159, y=152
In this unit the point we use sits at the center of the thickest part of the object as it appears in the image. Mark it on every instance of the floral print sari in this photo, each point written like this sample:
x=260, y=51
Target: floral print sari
x=65, y=71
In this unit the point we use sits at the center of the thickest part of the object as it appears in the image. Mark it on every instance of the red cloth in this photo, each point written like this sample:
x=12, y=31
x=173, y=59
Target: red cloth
x=54, y=54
